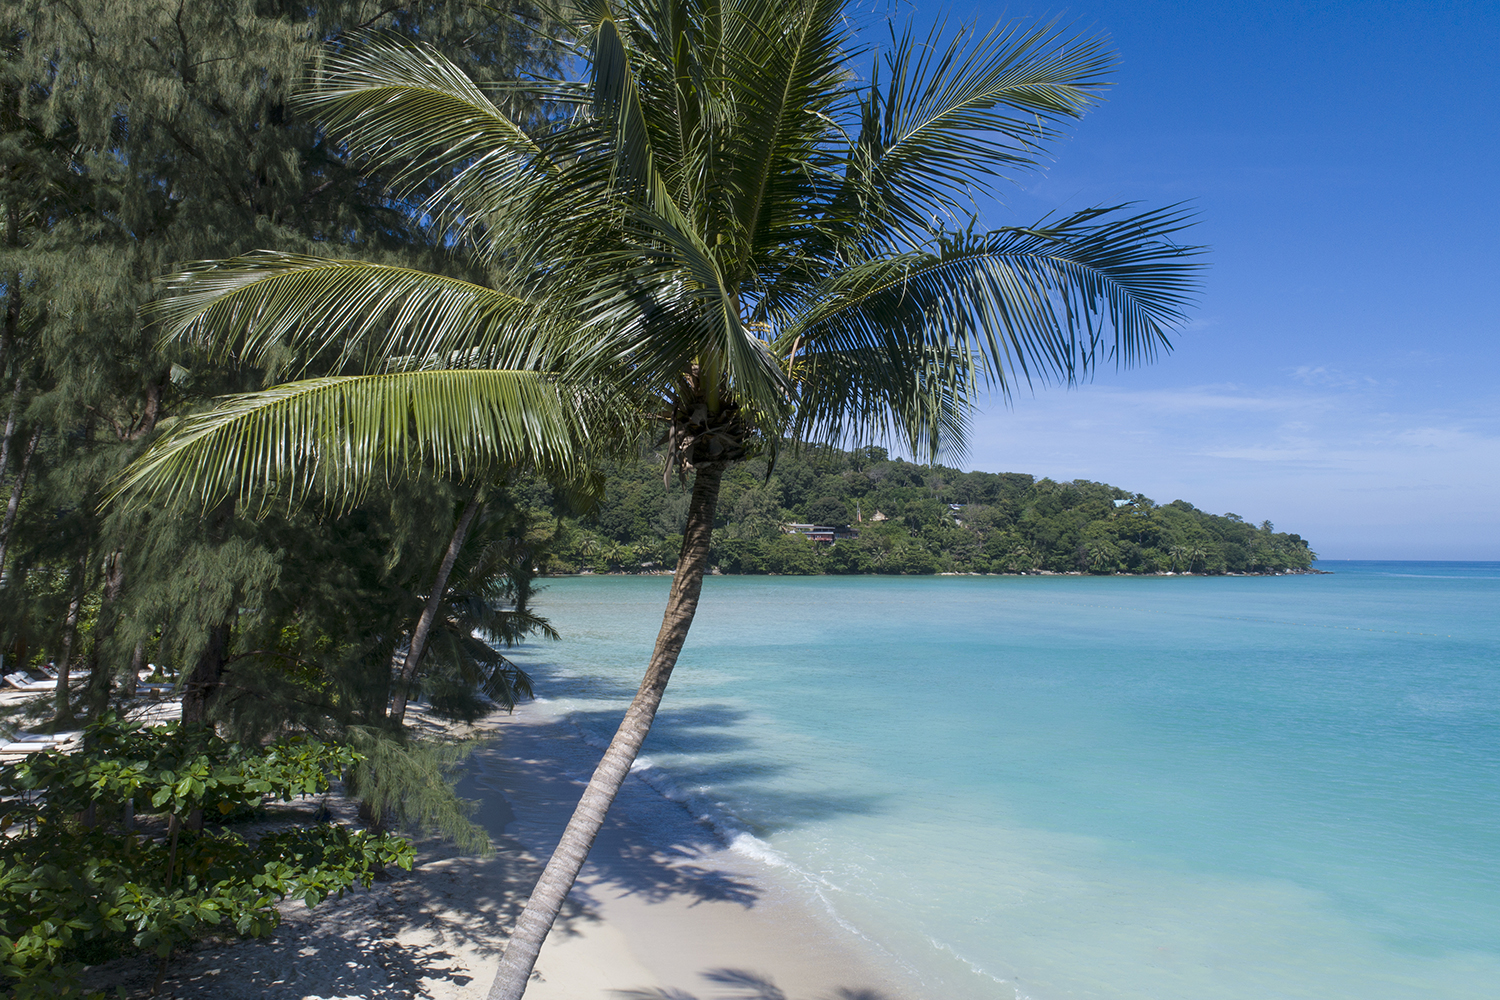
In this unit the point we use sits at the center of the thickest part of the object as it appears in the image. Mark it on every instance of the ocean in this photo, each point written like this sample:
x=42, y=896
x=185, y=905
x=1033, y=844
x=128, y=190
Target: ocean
x=1207, y=788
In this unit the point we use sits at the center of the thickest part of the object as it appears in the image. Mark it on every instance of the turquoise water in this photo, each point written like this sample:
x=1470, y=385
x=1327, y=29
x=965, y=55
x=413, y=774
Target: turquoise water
x=1060, y=787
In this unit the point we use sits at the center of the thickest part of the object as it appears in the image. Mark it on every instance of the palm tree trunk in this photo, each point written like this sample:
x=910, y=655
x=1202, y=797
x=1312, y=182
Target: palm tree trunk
x=547, y=897
x=418, y=644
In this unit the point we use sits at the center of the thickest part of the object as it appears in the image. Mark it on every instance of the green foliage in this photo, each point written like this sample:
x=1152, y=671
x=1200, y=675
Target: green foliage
x=136, y=135
x=935, y=520
x=79, y=880
x=410, y=783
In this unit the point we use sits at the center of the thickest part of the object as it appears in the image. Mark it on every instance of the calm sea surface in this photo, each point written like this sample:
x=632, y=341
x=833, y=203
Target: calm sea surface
x=1068, y=787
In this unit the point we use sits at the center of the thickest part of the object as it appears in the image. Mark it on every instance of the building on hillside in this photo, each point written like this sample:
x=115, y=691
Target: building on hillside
x=819, y=532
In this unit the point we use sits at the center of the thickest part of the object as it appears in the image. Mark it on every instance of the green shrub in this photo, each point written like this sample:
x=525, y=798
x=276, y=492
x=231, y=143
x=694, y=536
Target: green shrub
x=79, y=881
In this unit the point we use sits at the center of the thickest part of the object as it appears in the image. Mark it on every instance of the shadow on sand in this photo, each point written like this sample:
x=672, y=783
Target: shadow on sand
x=432, y=925
x=738, y=769
x=738, y=984
x=432, y=931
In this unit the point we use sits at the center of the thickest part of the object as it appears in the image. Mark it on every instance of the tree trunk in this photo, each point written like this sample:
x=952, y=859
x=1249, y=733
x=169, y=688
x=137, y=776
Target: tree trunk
x=203, y=683
x=164, y=651
x=100, y=676
x=70, y=635
x=10, y=428
x=562, y=869
x=419, y=635
x=203, y=680
x=137, y=661
x=15, y=495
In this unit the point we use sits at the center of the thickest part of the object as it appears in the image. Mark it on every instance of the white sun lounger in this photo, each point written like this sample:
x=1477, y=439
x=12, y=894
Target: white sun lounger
x=23, y=683
x=25, y=743
x=51, y=671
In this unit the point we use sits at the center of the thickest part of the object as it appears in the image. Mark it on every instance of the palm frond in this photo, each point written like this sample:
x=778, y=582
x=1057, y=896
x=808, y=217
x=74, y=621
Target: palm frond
x=266, y=307
x=951, y=115
x=675, y=245
x=897, y=391
x=1044, y=302
x=404, y=107
x=785, y=75
x=340, y=436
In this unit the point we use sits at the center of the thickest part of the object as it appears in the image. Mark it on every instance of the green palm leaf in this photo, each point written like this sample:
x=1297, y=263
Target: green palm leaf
x=952, y=115
x=1016, y=303
x=263, y=307
x=404, y=107
x=897, y=391
x=342, y=435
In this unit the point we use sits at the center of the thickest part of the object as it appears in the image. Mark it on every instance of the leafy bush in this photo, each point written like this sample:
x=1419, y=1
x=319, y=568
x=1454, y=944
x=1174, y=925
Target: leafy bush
x=81, y=881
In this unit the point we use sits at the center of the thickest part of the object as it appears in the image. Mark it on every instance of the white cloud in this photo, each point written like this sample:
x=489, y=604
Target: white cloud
x=1340, y=462
x=1322, y=375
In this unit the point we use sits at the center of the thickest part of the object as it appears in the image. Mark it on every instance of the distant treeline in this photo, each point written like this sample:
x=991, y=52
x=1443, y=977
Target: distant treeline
x=909, y=519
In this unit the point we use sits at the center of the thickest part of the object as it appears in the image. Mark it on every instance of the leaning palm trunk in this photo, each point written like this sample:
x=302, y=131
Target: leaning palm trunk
x=418, y=644
x=547, y=897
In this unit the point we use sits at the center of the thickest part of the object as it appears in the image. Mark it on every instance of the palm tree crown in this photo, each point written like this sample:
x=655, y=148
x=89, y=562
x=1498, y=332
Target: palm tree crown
x=721, y=211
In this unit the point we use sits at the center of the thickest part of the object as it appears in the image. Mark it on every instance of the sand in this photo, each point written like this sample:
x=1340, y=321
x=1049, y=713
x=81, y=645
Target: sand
x=662, y=911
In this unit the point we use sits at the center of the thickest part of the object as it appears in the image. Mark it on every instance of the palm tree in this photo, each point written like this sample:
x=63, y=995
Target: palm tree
x=725, y=224
x=480, y=600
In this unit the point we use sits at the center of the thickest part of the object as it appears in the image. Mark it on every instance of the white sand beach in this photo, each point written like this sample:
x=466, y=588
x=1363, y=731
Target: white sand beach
x=663, y=910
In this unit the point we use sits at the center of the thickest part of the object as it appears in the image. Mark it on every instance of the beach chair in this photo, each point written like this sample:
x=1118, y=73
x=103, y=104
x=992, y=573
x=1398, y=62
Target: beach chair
x=23, y=743
x=22, y=682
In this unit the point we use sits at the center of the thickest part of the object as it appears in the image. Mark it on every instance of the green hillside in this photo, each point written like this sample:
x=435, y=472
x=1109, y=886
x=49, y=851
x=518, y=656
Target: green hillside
x=909, y=519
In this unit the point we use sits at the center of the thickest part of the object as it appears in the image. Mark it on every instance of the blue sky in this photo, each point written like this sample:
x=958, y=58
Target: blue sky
x=1338, y=376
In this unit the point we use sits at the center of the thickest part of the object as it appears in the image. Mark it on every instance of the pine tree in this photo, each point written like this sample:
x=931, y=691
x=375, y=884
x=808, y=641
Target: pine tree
x=135, y=135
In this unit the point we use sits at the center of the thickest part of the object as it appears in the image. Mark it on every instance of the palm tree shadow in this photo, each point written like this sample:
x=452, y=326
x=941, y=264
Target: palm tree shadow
x=738, y=768
x=741, y=984
x=659, y=874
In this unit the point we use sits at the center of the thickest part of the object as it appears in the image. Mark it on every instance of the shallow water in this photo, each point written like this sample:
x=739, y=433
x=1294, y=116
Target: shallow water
x=1049, y=787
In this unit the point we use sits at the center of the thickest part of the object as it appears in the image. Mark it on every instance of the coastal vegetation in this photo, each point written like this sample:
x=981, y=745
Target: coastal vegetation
x=141, y=134
x=893, y=516
x=115, y=848
x=136, y=135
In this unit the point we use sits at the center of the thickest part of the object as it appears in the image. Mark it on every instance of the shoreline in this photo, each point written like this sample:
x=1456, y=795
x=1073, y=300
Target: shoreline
x=662, y=904
x=715, y=571
x=663, y=909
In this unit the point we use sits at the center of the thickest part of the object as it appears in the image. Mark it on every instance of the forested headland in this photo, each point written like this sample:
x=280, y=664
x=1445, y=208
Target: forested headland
x=905, y=519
